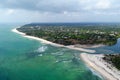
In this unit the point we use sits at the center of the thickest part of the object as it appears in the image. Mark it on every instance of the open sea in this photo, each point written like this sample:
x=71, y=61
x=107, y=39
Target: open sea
x=26, y=59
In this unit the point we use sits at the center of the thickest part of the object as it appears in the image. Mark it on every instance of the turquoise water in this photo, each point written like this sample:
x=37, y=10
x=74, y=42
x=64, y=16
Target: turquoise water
x=26, y=59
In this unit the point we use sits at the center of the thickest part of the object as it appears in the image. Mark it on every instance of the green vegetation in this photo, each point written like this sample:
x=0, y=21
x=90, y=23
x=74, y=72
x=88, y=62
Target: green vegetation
x=113, y=59
x=70, y=34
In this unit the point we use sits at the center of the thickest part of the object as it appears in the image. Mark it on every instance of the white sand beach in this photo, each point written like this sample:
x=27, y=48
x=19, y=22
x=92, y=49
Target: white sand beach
x=51, y=43
x=96, y=62
x=89, y=45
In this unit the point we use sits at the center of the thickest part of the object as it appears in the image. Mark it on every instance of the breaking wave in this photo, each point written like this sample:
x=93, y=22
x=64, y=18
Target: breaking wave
x=42, y=49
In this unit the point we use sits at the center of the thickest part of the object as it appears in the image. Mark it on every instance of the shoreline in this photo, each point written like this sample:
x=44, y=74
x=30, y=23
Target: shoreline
x=96, y=62
x=51, y=43
x=89, y=45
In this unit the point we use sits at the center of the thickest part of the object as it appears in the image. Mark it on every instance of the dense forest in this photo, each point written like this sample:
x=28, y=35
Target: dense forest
x=113, y=59
x=74, y=33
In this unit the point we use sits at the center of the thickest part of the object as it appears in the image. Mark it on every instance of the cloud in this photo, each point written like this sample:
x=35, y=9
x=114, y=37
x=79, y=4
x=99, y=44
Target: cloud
x=62, y=10
x=41, y=5
x=58, y=6
x=10, y=11
x=103, y=4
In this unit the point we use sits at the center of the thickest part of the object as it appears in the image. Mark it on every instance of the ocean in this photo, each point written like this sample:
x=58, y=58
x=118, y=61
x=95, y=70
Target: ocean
x=26, y=59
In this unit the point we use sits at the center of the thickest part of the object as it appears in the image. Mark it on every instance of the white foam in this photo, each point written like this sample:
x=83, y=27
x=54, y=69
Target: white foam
x=40, y=55
x=42, y=49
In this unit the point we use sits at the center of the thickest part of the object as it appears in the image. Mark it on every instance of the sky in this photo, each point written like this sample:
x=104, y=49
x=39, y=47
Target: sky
x=59, y=11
